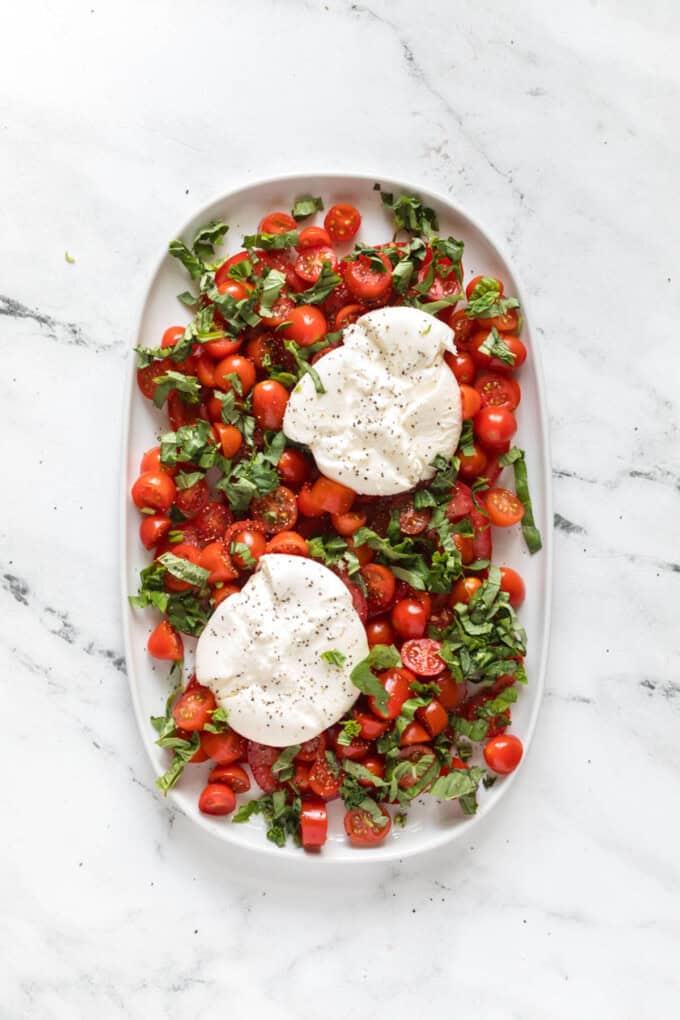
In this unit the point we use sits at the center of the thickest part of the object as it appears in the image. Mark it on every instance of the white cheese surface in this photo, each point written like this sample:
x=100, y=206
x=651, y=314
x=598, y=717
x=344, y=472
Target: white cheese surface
x=391, y=403
x=260, y=652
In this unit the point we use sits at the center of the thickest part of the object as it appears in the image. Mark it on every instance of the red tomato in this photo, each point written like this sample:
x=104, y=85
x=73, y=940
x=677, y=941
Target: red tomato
x=277, y=510
x=215, y=558
x=379, y=632
x=154, y=490
x=236, y=289
x=415, y=733
x=464, y=589
x=255, y=543
x=310, y=262
x=194, y=708
x=332, y=496
x=442, y=286
x=347, y=315
x=481, y=542
x=421, y=656
x=517, y=348
x=409, y=618
x=294, y=468
x=366, y=282
x=358, y=597
x=347, y=524
x=261, y=757
x=322, y=781
x=226, y=748
x=313, y=824
x=229, y=438
x=414, y=752
x=494, y=425
x=206, y=372
x=277, y=223
x=281, y=311
x=397, y=682
x=498, y=390
x=472, y=464
x=223, y=280
x=307, y=502
x=371, y=728
x=380, y=586
x=450, y=693
x=512, y=583
x=301, y=776
x=231, y=775
x=470, y=401
x=376, y=766
x=146, y=376
x=192, y=500
x=151, y=461
x=181, y=414
x=465, y=545
x=220, y=594
x=503, y=508
x=506, y=323
x=313, y=748
x=462, y=366
x=354, y=751
x=503, y=753
x=235, y=364
x=152, y=529
x=313, y=237
x=185, y=551
x=463, y=330
x=306, y=325
x=213, y=520
x=412, y=521
x=342, y=221
x=460, y=503
x=363, y=553
x=469, y=289
x=217, y=799
x=222, y=348
x=434, y=717
x=233, y=260
x=269, y=404
x=172, y=335
x=291, y=543
x=363, y=830
x=165, y=643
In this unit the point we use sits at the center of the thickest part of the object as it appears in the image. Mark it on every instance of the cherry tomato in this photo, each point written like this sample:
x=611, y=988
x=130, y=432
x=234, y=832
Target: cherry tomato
x=261, y=757
x=154, y=490
x=482, y=541
x=434, y=717
x=469, y=289
x=498, y=390
x=231, y=775
x=323, y=781
x=347, y=524
x=311, y=749
x=356, y=750
x=194, y=708
x=415, y=733
x=347, y=315
x=472, y=464
x=277, y=510
x=443, y=286
x=380, y=586
x=503, y=508
x=192, y=500
x=269, y=404
x=362, y=830
x=506, y=323
x=307, y=502
x=310, y=262
x=223, y=280
x=462, y=366
x=294, y=468
x=236, y=289
x=229, y=438
x=414, y=752
x=313, y=824
x=421, y=656
x=220, y=594
x=503, y=753
x=464, y=589
x=181, y=414
x=185, y=551
x=460, y=503
x=371, y=728
x=291, y=543
x=376, y=766
x=397, y=682
x=213, y=520
x=450, y=693
x=151, y=461
x=280, y=312
x=379, y=632
x=512, y=583
x=222, y=348
x=165, y=643
x=463, y=330
x=470, y=401
x=342, y=221
x=515, y=347
x=365, y=281
x=146, y=376
x=412, y=521
x=233, y=260
x=363, y=553
x=313, y=237
x=277, y=223
x=235, y=364
x=301, y=776
x=217, y=799
x=306, y=325
x=226, y=748
x=409, y=618
x=332, y=496
x=465, y=545
x=206, y=372
x=215, y=558
x=358, y=597
x=172, y=335
x=255, y=543
x=152, y=529
x=494, y=425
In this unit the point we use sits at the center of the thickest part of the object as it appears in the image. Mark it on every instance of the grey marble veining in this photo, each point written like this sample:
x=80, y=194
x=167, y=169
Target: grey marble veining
x=559, y=130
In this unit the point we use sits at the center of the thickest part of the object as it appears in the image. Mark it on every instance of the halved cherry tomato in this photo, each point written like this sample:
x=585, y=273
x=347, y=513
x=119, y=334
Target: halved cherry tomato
x=311, y=749
x=464, y=589
x=503, y=753
x=307, y=502
x=213, y=520
x=215, y=558
x=415, y=733
x=261, y=757
x=254, y=541
x=347, y=524
x=409, y=618
x=363, y=553
x=165, y=643
x=217, y=799
x=223, y=271
x=301, y=776
x=462, y=366
x=508, y=322
x=376, y=766
x=363, y=830
x=151, y=461
x=235, y=364
x=342, y=221
x=365, y=281
x=154, y=490
x=226, y=748
x=229, y=438
x=443, y=286
x=181, y=414
x=494, y=426
x=348, y=315
x=371, y=728
x=277, y=223
x=482, y=541
x=280, y=312
x=310, y=262
x=146, y=376
x=412, y=521
x=498, y=390
x=470, y=287
x=269, y=404
x=465, y=545
x=172, y=335
x=291, y=543
x=220, y=594
x=206, y=372
x=306, y=324
x=380, y=586
x=503, y=508
x=414, y=753
x=379, y=632
x=450, y=693
x=331, y=496
x=192, y=500
x=470, y=401
x=460, y=503
x=277, y=510
x=472, y=464
x=517, y=348
x=463, y=330
x=312, y=237
x=294, y=468
x=512, y=583
x=397, y=682
x=194, y=708
x=434, y=717
x=231, y=775
x=323, y=781
x=185, y=551
x=421, y=656
x=152, y=529
x=313, y=824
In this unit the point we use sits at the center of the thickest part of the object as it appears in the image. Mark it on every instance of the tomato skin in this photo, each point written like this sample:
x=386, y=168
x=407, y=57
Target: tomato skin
x=217, y=799
x=355, y=751
x=482, y=541
x=412, y=521
x=379, y=632
x=223, y=281
x=397, y=682
x=172, y=335
x=154, y=490
x=192, y=500
x=276, y=511
x=347, y=524
x=322, y=781
x=151, y=461
x=366, y=283
x=371, y=728
x=306, y=325
x=347, y=315
x=380, y=587
x=313, y=237
x=269, y=404
x=213, y=520
x=261, y=757
x=165, y=643
x=152, y=529
x=421, y=656
x=460, y=503
x=222, y=348
x=307, y=504
x=301, y=776
x=146, y=376
x=206, y=372
x=494, y=425
x=215, y=558
x=225, y=748
x=185, y=551
x=294, y=468
x=310, y=262
x=473, y=464
x=434, y=717
x=342, y=221
x=465, y=544
x=220, y=594
x=231, y=775
x=409, y=618
x=362, y=830
x=331, y=496
x=229, y=438
x=512, y=583
x=503, y=508
x=464, y=589
x=470, y=401
x=450, y=693
x=311, y=749
x=276, y=223
x=235, y=364
x=193, y=708
x=503, y=753
x=291, y=543
x=363, y=553
x=498, y=390
x=376, y=766
x=463, y=330
x=518, y=349
x=256, y=543
x=280, y=312
x=506, y=323
x=415, y=733
x=469, y=289
x=462, y=366
x=313, y=824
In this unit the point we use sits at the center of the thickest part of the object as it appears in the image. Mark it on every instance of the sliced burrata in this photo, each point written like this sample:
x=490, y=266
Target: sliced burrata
x=261, y=651
x=391, y=403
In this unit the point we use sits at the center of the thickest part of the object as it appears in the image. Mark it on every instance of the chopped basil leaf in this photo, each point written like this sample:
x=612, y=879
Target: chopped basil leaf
x=458, y=783
x=306, y=206
x=349, y=729
x=410, y=214
x=188, y=387
x=532, y=535
x=334, y=658
x=359, y=771
x=186, y=480
x=365, y=680
x=467, y=439
x=182, y=752
x=191, y=262
x=485, y=301
x=207, y=237
x=218, y=721
x=272, y=284
x=496, y=347
x=241, y=550
x=283, y=767
x=272, y=242
x=184, y=570
x=304, y=366
x=319, y=291
x=187, y=298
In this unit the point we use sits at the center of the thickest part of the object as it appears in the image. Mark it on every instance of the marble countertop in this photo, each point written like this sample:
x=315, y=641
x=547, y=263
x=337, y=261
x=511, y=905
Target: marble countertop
x=117, y=121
